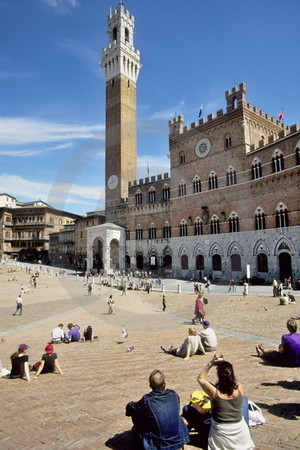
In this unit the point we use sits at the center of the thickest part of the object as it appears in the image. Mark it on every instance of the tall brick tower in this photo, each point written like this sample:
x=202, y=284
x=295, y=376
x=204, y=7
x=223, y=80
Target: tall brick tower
x=121, y=66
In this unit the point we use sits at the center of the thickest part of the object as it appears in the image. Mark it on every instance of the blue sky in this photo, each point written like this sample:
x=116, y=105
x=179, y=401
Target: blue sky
x=52, y=91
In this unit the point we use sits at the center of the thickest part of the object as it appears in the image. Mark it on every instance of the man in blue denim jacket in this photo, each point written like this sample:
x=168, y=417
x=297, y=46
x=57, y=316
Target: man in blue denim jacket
x=156, y=416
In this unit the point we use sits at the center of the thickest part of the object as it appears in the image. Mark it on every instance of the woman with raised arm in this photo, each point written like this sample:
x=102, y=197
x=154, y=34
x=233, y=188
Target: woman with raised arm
x=228, y=428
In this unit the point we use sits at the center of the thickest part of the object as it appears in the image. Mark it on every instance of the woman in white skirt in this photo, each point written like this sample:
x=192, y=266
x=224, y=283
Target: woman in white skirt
x=228, y=428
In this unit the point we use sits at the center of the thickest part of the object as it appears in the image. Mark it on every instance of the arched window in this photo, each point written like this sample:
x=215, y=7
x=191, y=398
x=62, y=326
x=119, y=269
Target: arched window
x=217, y=262
x=212, y=181
x=215, y=225
x=277, y=161
x=184, y=262
x=198, y=227
x=167, y=231
x=262, y=262
x=139, y=234
x=282, y=217
x=259, y=219
x=231, y=176
x=127, y=234
x=152, y=232
x=196, y=185
x=151, y=195
x=182, y=189
x=233, y=223
x=183, y=228
x=166, y=193
x=234, y=103
x=138, y=198
x=126, y=35
x=182, y=158
x=228, y=141
x=256, y=169
x=115, y=34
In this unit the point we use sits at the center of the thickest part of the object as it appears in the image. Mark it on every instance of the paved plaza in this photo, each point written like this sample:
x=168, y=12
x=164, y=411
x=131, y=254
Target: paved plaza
x=86, y=408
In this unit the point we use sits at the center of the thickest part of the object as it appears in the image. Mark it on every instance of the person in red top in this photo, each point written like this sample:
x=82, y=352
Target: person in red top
x=199, y=309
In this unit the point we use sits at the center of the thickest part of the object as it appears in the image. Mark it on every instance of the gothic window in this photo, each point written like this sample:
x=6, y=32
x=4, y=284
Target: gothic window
x=228, y=142
x=212, y=181
x=183, y=229
x=262, y=262
x=196, y=185
x=152, y=233
x=167, y=231
x=231, y=176
x=256, y=169
x=138, y=234
x=181, y=158
x=166, y=193
x=182, y=189
x=184, y=262
x=277, y=161
x=138, y=198
x=217, y=262
x=259, y=219
x=214, y=225
x=198, y=228
x=233, y=223
x=127, y=235
x=115, y=33
x=282, y=217
x=151, y=195
x=126, y=35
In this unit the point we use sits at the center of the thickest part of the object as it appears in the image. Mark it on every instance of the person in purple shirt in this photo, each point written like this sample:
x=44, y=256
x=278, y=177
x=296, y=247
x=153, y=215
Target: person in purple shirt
x=74, y=333
x=288, y=353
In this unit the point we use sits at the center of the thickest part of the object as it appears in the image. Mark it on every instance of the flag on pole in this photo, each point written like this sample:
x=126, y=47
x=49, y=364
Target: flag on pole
x=200, y=112
x=281, y=115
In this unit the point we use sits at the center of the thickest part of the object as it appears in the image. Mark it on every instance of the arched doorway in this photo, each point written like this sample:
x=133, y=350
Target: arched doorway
x=114, y=254
x=153, y=262
x=217, y=263
x=167, y=262
x=127, y=262
x=285, y=265
x=98, y=255
x=236, y=265
x=199, y=262
x=140, y=262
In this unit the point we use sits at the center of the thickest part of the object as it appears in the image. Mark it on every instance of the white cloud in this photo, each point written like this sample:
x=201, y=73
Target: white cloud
x=24, y=131
x=170, y=112
x=82, y=52
x=60, y=193
x=34, y=152
x=61, y=6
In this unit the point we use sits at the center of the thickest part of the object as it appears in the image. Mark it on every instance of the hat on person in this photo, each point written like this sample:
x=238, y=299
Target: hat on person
x=49, y=349
x=23, y=347
x=206, y=323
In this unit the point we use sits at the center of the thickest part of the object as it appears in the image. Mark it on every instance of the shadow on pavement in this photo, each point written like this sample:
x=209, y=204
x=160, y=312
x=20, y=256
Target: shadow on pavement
x=288, y=411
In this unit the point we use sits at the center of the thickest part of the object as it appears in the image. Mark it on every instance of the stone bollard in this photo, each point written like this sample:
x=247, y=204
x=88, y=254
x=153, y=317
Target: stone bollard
x=163, y=287
x=178, y=288
x=246, y=289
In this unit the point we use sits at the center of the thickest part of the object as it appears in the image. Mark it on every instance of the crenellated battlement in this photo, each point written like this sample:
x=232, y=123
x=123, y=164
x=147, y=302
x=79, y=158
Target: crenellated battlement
x=236, y=98
x=148, y=180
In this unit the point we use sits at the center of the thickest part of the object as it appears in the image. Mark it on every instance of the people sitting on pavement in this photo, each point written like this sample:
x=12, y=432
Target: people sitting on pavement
x=19, y=363
x=57, y=334
x=208, y=337
x=88, y=334
x=74, y=333
x=228, y=429
x=288, y=354
x=190, y=346
x=199, y=309
x=49, y=362
x=291, y=297
x=156, y=416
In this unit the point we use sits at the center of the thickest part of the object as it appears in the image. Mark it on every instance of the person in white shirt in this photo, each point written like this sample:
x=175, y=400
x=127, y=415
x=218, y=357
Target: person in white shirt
x=57, y=334
x=208, y=337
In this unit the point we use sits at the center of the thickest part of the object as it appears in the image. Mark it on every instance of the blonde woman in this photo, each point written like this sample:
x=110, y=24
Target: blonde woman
x=190, y=346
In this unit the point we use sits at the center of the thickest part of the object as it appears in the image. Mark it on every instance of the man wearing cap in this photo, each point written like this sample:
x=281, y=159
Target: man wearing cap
x=208, y=337
x=57, y=334
x=49, y=362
